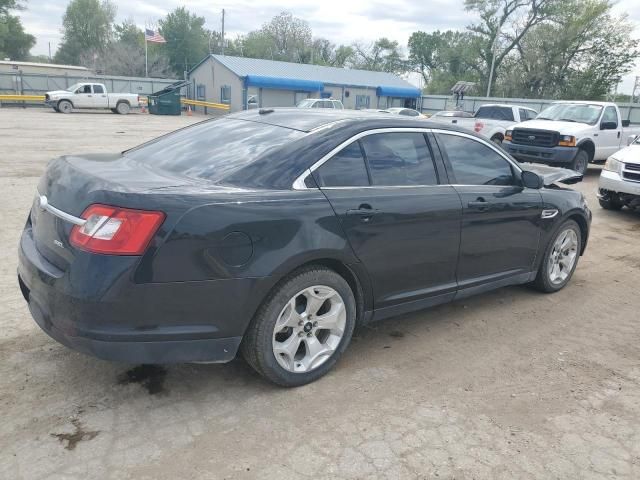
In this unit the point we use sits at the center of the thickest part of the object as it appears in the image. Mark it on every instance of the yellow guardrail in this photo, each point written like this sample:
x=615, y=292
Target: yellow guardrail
x=199, y=103
x=143, y=100
x=22, y=98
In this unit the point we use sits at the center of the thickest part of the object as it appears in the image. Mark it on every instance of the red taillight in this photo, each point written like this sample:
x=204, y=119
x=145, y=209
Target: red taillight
x=478, y=126
x=115, y=231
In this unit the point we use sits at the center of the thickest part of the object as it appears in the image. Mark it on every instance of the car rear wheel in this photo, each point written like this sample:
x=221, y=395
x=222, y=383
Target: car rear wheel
x=560, y=258
x=123, y=108
x=64, y=106
x=581, y=162
x=302, y=329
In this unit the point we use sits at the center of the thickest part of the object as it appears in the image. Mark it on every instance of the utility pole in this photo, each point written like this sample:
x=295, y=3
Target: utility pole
x=223, y=32
x=49, y=51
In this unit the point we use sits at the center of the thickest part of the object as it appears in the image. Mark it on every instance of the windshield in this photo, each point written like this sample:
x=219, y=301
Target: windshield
x=73, y=87
x=212, y=149
x=572, y=112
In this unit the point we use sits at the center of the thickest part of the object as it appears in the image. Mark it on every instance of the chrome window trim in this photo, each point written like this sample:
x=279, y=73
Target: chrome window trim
x=299, y=183
x=44, y=204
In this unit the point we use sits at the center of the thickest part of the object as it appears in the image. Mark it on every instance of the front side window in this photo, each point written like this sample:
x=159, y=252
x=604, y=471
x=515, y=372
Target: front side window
x=399, y=159
x=345, y=169
x=610, y=116
x=474, y=163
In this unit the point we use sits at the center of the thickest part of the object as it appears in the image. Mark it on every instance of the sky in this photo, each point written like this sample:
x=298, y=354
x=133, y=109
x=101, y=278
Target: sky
x=342, y=22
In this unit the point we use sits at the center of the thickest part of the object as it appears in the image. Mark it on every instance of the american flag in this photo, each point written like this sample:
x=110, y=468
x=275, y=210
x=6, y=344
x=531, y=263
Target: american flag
x=153, y=36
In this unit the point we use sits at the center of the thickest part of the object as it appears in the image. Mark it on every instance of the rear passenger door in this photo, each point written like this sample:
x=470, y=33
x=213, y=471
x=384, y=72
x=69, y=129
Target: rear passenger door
x=501, y=219
x=401, y=222
x=100, y=99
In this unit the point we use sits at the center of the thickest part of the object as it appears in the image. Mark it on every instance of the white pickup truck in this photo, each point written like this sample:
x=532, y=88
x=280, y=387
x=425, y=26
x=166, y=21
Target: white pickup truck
x=570, y=134
x=492, y=120
x=619, y=183
x=90, y=95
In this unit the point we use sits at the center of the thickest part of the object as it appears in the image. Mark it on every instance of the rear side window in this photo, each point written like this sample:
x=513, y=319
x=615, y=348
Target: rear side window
x=504, y=113
x=399, y=159
x=98, y=89
x=345, y=169
x=474, y=163
x=212, y=149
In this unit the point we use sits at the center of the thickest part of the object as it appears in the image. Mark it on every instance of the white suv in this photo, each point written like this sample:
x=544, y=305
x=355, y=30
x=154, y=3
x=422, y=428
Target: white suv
x=320, y=103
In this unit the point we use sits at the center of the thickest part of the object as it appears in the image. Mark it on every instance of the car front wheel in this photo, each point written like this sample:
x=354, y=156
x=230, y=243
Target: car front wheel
x=560, y=258
x=302, y=328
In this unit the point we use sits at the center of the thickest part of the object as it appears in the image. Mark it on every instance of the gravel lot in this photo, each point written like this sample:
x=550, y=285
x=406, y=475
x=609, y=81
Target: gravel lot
x=512, y=384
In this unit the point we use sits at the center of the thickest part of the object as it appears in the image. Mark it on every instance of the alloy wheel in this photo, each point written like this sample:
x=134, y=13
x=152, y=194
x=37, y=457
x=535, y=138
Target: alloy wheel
x=309, y=329
x=563, y=256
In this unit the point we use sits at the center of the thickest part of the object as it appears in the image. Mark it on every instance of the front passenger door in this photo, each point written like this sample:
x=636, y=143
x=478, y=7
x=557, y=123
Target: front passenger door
x=501, y=219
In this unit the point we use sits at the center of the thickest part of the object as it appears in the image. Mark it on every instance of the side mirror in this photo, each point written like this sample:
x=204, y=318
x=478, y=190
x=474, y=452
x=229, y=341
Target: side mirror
x=532, y=180
x=626, y=123
x=631, y=139
x=608, y=125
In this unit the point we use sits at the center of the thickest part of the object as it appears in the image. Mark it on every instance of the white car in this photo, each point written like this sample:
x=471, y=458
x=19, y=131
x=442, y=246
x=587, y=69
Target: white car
x=619, y=183
x=492, y=120
x=90, y=95
x=407, y=112
x=570, y=134
x=320, y=103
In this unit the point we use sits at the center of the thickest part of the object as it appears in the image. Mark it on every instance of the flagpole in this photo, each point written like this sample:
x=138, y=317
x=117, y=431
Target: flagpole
x=146, y=56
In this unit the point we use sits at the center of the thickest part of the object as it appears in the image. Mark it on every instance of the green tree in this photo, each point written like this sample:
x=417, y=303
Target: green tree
x=15, y=43
x=87, y=29
x=383, y=55
x=187, y=39
x=128, y=32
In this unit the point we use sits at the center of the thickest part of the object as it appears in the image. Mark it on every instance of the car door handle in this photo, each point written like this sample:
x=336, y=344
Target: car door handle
x=479, y=204
x=365, y=212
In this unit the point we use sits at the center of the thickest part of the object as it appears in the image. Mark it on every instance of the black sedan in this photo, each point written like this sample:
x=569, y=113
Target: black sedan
x=276, y=232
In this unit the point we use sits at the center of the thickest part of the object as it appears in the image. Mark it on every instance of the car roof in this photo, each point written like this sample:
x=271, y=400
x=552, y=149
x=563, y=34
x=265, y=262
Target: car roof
x=308, y=120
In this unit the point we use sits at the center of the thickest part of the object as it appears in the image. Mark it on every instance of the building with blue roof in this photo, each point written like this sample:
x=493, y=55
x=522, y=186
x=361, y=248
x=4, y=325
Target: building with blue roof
x=244, y=83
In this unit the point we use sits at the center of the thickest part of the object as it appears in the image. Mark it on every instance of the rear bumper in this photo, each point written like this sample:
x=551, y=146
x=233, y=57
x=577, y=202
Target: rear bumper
x=549, y=155
x=134, y=323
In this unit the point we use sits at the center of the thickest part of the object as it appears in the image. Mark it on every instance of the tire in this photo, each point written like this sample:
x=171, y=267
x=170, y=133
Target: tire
x=545, y=280
x=282, y=328
x=123, y=108
x=610, y=202
x=581, y=162
x=65, y=106
x=113, y=110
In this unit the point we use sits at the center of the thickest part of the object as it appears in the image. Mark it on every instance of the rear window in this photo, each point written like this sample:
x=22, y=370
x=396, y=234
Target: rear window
x=212, y=149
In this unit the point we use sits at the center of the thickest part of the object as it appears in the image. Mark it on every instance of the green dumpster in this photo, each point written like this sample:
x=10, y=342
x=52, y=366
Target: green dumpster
x=167, y=100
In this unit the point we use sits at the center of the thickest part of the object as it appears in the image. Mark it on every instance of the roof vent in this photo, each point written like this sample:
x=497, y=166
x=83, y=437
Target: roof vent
x=264, y=111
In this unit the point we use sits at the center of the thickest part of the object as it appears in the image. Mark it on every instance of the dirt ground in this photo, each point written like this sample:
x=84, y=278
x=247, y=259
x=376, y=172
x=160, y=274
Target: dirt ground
x=511, y=384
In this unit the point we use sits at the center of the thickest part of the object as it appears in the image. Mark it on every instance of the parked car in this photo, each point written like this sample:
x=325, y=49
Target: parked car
x=492, y=121
x=273, y=233
x=570, y=134
x=619, y=183
x=450, y=113
x=90, y=95
x=407, y=112
x=320, y=103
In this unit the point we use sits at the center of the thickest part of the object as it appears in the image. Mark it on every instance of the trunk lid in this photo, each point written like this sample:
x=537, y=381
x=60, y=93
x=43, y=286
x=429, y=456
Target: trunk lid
x=72, y=183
